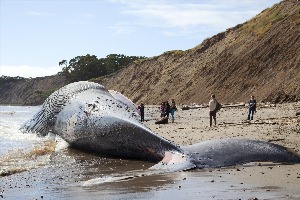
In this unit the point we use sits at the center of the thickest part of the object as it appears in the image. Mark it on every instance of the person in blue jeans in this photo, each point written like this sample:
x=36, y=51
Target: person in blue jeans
x=173, y=109
x=252, y=107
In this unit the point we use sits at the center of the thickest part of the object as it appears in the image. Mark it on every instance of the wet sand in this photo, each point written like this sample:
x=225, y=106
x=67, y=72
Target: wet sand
x=67, y=170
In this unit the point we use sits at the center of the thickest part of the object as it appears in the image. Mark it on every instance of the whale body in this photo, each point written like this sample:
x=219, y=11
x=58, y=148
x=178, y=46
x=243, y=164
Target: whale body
x=90, y=118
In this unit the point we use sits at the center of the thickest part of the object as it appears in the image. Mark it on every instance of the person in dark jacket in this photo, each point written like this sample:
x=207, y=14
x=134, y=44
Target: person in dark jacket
x=162, y=110
x=167, y=109
x=252, y=107
x=142, y=109
x=212, y=109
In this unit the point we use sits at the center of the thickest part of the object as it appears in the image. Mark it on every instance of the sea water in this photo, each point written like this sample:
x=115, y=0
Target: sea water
x=33, y=167
x=19, y=151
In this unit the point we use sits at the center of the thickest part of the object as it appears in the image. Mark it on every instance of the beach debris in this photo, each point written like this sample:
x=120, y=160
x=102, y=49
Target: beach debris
x=267, y=105
x=163, y=120
x=233, y=105
x=248, y=122
x=276, y=140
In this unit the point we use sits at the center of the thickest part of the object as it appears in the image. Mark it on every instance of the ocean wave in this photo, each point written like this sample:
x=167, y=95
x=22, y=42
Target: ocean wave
x=24, y=159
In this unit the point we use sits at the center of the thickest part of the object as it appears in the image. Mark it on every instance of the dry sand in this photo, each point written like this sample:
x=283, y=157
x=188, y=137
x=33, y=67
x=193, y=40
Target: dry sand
x=274, y=123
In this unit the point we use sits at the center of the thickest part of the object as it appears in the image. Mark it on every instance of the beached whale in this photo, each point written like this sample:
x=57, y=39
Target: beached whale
x=89, y=117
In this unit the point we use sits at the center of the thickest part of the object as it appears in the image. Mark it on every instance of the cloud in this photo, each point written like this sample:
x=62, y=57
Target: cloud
x=122, y=29
x=37, y=13
x=28, y=71
x=189, y=16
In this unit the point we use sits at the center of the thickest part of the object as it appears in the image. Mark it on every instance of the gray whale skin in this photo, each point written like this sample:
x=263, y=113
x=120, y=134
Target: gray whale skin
x=90, y=118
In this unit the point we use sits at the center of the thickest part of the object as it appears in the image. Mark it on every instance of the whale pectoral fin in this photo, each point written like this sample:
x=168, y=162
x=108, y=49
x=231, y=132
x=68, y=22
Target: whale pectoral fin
x=174, y=161
x=38, y=124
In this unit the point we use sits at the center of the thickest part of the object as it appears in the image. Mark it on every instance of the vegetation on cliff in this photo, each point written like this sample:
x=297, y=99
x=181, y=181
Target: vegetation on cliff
x=86, y=67
x=7, y=79
x=34, y=91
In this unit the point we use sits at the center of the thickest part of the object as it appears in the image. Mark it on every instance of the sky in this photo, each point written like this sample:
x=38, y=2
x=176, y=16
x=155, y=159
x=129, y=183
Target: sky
x=35, y=35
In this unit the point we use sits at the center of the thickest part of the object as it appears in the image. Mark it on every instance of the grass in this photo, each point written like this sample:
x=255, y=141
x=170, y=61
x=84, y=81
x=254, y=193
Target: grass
x=175, y=52
x=44, y=93
x=264, y=22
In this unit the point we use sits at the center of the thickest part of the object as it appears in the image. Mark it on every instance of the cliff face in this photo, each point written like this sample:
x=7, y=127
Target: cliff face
x=260, y=57
x=30, y=91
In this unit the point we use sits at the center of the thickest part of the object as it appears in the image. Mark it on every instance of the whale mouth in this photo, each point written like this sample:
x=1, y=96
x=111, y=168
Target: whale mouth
x=172, y=162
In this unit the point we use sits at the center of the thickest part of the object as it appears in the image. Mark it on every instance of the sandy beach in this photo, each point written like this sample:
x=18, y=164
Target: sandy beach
x=63, y=173
x=274, y=123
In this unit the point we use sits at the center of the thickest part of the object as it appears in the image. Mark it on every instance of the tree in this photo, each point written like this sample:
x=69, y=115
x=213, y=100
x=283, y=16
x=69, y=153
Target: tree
x=89, y=66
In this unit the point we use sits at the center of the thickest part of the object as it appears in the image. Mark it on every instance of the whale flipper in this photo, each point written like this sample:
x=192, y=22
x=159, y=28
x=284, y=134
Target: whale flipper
x=43, y=121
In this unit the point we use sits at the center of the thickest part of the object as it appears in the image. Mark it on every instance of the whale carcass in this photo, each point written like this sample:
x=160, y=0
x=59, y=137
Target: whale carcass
x=89, y=117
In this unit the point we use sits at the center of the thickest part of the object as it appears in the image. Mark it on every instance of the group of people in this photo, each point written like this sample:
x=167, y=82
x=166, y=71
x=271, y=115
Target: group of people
x=166, y=109
x=213, y=109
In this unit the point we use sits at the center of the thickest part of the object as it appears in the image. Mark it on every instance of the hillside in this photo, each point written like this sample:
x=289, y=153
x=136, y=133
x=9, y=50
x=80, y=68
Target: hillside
x=30, y=91
x=260, y=57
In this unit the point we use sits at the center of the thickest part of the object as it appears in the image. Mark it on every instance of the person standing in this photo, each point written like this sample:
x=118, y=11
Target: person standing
x=252, y=107
x=162, y=110
x=173, y=109
x=212, y=109
x=142, y=109
x=167, y=109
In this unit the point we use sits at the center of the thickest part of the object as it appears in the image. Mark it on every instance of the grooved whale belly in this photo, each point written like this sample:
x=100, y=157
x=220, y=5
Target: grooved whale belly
x=88, y=117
